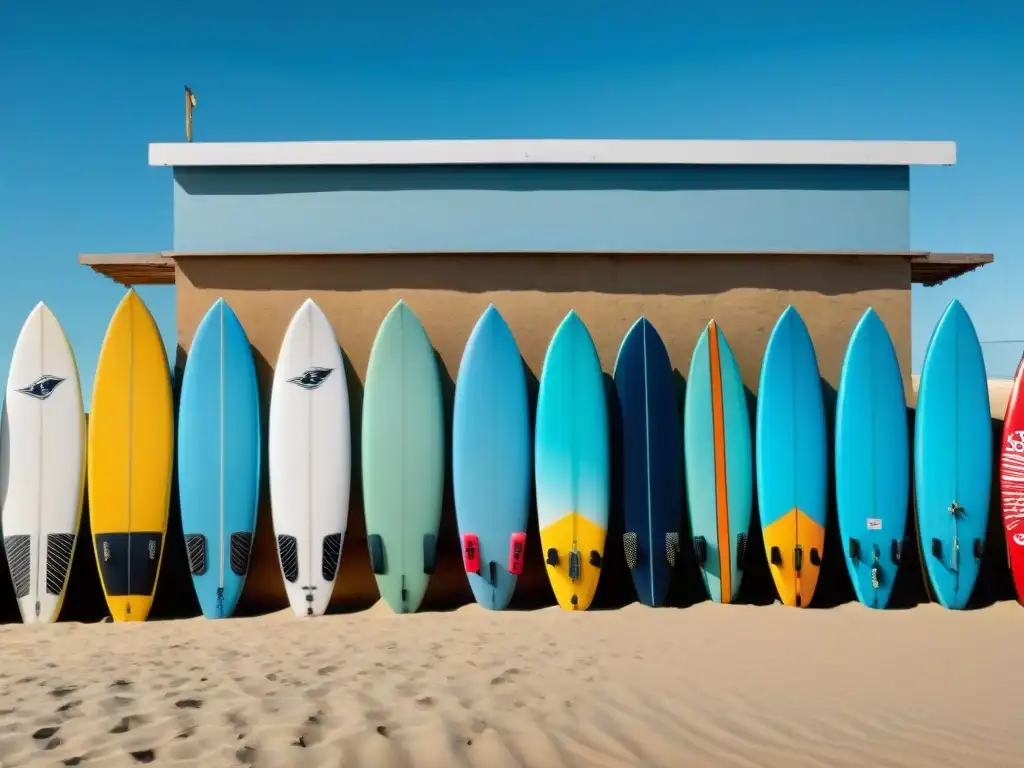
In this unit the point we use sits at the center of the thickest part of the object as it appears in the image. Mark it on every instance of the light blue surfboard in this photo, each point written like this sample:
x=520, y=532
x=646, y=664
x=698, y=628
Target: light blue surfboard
x=571, y=464
x=792, y=473
x=491, y=459
x=953, y=458
x=652, y=477
x=872, y=461
x=719, y=464
x=219, y=459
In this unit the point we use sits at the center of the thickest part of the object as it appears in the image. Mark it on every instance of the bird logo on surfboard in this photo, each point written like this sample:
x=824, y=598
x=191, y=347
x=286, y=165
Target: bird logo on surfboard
x=312, y=378
x=42, y=387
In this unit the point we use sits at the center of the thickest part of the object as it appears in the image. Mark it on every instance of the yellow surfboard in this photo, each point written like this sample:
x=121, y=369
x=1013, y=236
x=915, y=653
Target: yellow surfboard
x=131, y=443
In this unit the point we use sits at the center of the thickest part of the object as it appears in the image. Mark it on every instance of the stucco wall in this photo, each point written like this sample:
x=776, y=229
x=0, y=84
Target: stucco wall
x=678, y=294
x=541, y=209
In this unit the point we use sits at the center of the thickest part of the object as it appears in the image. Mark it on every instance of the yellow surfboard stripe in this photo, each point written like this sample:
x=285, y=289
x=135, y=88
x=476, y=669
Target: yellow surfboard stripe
x=795, y=527
x=131, y=434
x=580, y=532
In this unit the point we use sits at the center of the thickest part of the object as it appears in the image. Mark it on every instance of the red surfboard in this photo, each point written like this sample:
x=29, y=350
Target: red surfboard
x=1011, y=479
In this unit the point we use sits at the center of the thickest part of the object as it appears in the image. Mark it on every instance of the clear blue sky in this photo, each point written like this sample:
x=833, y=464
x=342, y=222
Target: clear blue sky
x=86, y=86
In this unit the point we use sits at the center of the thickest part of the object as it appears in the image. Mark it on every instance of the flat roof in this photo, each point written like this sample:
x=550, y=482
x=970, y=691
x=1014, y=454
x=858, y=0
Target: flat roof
x=926, y=268
x=554, y=151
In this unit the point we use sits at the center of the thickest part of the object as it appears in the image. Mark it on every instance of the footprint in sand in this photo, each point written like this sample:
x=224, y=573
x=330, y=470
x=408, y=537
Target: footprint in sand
x=129, y=722
x=189, y=703
x=143, y=755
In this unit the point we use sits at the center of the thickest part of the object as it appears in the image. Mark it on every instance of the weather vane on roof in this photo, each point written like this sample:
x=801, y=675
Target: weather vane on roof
x=190, y=103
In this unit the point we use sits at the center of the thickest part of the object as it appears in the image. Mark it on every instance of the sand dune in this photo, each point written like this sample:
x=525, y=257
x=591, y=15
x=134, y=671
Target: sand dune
x=706, y=686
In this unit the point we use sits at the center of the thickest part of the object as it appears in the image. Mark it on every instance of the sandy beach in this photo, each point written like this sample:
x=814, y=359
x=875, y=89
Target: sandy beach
x=707, y=685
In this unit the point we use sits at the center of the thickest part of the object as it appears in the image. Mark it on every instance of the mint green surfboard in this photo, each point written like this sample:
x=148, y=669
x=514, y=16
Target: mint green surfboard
x=403, y=449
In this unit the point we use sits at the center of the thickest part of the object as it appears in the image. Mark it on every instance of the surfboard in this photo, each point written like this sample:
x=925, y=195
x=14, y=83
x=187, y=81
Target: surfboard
x=652, y=462
x=219, y=459
x=1011, y=480
x=491, y=460
x=403, y=454
x=719, y=464
x=130, y=459
x=571, y=464
x=309, y=453
x=872, y=461
x=42, y=465
x=792, y=476
x=953, y=458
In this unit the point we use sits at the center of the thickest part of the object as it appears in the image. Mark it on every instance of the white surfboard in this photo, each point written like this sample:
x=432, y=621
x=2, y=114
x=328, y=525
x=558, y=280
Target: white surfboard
x=42, y=465
x=310, y=459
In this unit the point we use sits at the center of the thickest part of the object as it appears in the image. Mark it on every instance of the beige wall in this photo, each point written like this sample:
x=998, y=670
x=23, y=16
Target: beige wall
x=679, y=294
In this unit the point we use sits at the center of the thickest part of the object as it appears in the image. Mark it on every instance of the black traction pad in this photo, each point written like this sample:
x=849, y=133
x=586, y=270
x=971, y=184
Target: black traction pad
x=19, y=562
x=129, y=561
x=59, y=549
x=331, y=556
x=240, y=549
x=288, y=553
x=195, y=549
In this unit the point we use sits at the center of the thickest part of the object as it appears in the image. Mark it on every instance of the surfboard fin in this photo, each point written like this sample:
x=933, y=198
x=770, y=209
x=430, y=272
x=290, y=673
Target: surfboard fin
x=377, y=563
x=776, y=557
x=897, y=552
x=671, y=548
x=798, y=558
x=741, y=551
x=517, y=548
x=937, y=548
x=595, y=559
x=700, y=550
x=471, y=552
x=195, y=549
x=492, y=573
x=429, y=553
x=574, y=565
x=853, y=549
x=552, y=557
x=815, y=557
x=629, y=546
x=979, y=549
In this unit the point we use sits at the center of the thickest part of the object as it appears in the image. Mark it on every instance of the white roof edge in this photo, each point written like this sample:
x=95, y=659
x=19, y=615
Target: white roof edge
x=554, y=151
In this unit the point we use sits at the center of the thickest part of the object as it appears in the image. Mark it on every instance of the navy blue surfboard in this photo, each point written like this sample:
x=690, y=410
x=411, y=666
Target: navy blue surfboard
x=652, y=488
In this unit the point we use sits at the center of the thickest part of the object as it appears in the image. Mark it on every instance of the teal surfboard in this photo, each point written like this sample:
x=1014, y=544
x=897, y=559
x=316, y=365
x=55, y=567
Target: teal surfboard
x=219, y=459
x=792, y=472
x=953, y=458
x=571, y=464
x=403, y=450
x=491, y=460
x=872, y=461
x=719, y=464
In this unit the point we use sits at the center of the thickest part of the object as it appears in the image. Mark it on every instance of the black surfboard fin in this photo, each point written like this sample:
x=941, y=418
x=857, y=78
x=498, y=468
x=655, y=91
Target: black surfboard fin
x=700, y=550
x=377, y=562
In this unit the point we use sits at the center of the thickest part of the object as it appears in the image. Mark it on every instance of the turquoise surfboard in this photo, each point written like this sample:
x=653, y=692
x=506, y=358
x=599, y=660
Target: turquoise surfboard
x=872, y=461
x=219, y=459
x=792, y=473
x=651, y=487
x=719, y=464
x=491, y=460
x=403, y=455
x=571, y=464
x=953, y=458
